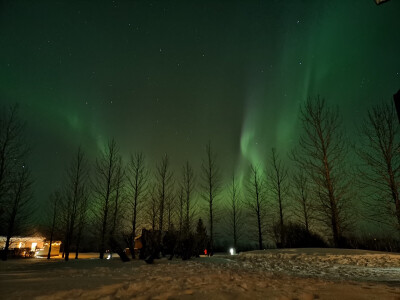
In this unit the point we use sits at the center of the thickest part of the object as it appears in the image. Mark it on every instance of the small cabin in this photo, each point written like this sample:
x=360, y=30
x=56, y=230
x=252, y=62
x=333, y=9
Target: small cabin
x=55, y=249
x=31, y=246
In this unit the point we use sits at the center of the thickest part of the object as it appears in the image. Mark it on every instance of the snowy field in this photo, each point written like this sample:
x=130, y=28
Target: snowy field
x=269, y=274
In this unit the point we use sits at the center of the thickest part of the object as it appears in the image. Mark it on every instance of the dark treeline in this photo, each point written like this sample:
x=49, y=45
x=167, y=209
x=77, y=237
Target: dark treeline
x=312, y=197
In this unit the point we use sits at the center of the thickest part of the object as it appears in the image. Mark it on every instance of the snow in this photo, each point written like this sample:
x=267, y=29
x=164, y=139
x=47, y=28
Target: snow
x=268, y=274
x=334, y=264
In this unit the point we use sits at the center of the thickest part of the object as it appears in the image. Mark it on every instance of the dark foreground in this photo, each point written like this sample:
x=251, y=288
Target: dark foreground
x=274, y=274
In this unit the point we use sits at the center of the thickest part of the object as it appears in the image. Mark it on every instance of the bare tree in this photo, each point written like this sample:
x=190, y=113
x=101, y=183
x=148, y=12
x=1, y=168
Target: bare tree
x=255, y=201
x=181, y=209
x=54, y=206
x=17, y=208
x=104, y=189
x=164, y=188
x=278, y=182
x=119, y=196
x=188, y=186
x=75, y=192
x=380, y=171
x=235, y=212
x=152, y=206
x=322, y=154
x=170, y=210
x=83, y=211
x=137, y=177
x=15, y=178
x=12, y=152
x=211, y=187
x=303, y=207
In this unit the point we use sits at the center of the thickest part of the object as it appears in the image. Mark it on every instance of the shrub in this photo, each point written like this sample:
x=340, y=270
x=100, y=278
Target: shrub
x=298, y=237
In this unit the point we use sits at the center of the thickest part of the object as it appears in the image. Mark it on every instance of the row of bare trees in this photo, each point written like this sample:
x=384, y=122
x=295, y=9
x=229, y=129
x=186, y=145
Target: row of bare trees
x=120, y=199
x=325, y=183
x=320, y=182
x=379, y=172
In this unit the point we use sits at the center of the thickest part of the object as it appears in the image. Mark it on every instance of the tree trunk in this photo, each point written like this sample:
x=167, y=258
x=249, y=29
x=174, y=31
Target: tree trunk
x=211, y=222
x=78, y=242
x=259, y=232
x=282, y=229
x=102, y=239
x=9, y=234
x=51, y=241
x=306, y=217
x=132, y=244
x=6, y=248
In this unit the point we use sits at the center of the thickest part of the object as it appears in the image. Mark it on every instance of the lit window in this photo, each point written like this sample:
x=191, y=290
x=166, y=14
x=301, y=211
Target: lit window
x=33, y=248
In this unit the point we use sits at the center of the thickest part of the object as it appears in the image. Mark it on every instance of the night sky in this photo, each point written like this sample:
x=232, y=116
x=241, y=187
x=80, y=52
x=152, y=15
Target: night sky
x=168, y=76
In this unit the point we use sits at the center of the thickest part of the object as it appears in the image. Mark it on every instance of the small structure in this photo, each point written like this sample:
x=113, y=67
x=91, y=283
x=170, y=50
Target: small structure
x=55, y=249
x=29, y=246
x=138, y=246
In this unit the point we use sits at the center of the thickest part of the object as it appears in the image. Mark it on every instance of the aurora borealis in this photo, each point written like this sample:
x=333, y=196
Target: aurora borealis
x=167, y=76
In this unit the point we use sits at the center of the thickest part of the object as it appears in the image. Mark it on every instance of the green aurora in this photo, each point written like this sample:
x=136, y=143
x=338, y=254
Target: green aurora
x=167, y=76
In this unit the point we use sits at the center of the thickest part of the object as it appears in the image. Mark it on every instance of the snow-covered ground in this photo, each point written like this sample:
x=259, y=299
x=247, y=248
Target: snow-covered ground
x=337, y=264
x=269, y=274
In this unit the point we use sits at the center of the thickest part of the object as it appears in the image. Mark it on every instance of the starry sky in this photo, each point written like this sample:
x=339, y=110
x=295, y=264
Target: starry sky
x=168, y=76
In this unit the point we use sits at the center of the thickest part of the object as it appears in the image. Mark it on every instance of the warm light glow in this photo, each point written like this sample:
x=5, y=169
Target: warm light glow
x=20, y=245
x=33, y=248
